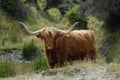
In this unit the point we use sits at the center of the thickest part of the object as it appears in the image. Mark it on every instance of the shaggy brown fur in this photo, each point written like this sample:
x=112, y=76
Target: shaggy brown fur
x=59, y=47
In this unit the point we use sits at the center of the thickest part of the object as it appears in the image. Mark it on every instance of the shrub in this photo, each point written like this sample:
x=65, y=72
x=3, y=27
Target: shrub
x=73, y=16
x=40, y=63
x=7, y=69
x=8, y=5
x=30, y=50
x=15, y=8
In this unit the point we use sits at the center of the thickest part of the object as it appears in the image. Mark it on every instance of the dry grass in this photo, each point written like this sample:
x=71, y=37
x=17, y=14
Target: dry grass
x=77, y=71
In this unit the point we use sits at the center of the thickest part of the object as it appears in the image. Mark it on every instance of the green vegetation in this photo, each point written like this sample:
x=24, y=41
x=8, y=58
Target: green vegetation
x=7, y=69
x=8, y=6
x=13, y=37
x=72, y=16
x=109, y=41
x=40, y=63
x=100, y=32
x=30, y=50
x=112, y=54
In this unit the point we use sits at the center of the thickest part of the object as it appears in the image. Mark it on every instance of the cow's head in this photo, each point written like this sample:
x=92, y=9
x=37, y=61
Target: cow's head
x=48, y=35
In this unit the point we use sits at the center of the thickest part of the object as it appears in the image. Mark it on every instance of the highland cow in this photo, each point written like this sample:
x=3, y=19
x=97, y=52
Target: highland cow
x=62, y=46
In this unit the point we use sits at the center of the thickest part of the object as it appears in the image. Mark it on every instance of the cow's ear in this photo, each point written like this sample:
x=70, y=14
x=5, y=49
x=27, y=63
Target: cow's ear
x=39, y=36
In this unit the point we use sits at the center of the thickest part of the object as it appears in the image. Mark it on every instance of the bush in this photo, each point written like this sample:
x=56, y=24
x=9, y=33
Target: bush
x=8, y=5
x=30, y=50
x=15, y=8
x=73, y=16
x=7, y=69
x=40, y=63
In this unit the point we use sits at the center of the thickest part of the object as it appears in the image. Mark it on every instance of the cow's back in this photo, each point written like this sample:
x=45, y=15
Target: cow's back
x=77, y=45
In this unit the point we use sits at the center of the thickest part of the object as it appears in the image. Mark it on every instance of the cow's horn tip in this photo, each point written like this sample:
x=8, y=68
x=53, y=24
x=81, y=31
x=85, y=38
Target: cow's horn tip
x=20, y=22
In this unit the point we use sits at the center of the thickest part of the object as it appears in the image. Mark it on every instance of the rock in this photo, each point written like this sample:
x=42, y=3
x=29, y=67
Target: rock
x=13, y=55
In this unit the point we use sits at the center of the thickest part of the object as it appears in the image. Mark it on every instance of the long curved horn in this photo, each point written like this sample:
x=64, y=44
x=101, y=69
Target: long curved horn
x=28, y=30
x=72, y=27
x=68, y=31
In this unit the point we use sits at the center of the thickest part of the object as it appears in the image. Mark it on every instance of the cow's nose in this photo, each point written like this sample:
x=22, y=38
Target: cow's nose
x=49, y=47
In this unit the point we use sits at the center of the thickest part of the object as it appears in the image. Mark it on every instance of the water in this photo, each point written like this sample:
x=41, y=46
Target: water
x=23, y=68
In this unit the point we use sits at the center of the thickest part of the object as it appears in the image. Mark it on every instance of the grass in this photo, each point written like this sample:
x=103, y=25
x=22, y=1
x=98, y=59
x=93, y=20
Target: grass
x=98, y=27
x=114, y=49
x=7, y=69
x=40, y=64
x=83, y=71
x=30, y=50
x=23, y=68
x=9, y=48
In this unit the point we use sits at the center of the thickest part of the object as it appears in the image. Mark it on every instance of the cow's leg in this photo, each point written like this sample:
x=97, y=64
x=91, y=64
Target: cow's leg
x=61, y=63
x=61, y=59
x=93, y=55
x=82, y=56
x=51, y=65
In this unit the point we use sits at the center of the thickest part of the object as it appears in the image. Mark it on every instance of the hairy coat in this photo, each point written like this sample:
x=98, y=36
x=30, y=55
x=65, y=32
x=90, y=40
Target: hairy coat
x=61, y=47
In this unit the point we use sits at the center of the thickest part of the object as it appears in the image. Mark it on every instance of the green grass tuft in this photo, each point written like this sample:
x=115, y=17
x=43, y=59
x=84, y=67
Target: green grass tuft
x=40, y=63
x=7, y=69
x=30, y=50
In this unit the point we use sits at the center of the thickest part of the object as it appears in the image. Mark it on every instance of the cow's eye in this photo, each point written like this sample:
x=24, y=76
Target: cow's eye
x=46, y=39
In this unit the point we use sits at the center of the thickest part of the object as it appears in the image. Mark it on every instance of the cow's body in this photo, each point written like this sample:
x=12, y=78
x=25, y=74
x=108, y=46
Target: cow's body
x=61, y=47
x=77, y=45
